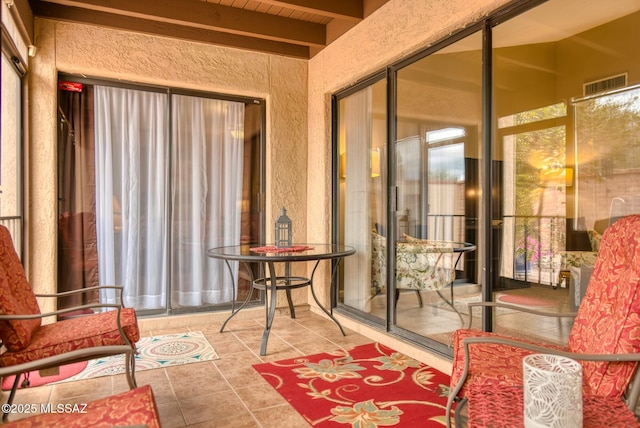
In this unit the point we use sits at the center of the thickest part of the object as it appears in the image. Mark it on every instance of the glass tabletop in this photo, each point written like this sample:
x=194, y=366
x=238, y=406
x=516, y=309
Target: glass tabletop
x=267, y=253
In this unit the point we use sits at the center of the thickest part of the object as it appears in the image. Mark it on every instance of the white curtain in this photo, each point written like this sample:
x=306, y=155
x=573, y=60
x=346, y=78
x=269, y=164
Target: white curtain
x=138, y=186
x=131, y=166
x=206, y=197
x=358, y=227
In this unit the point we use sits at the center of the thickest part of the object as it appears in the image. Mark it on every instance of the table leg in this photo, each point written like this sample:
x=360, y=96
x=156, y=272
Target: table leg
x=451, y=302
x=233, y=302
x=271, y=310
x=313, y=293
x=287, y=274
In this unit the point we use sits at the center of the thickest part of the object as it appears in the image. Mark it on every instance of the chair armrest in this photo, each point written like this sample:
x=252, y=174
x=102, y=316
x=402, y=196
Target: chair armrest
x=117, y=307
x=543, y=349
x=118, y=288
x=517, y=308
x=82, y=290
x=65, y=358
x=60, y=311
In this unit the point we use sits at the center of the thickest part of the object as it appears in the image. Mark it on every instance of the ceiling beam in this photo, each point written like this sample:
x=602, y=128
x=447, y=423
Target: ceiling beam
x=200, y=14
x=134, y=24
x=350, y=10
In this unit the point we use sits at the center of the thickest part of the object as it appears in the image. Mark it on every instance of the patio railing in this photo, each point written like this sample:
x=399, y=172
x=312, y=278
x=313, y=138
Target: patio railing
x=538, y=239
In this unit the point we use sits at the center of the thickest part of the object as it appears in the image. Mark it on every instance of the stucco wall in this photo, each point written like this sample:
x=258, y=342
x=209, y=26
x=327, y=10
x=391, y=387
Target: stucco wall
x=130, y=57
x=395, y=31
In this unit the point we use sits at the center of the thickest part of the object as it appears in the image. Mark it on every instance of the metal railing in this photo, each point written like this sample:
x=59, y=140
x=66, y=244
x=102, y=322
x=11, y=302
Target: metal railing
x=536, y=239
x=445, y=227
x=532, y=244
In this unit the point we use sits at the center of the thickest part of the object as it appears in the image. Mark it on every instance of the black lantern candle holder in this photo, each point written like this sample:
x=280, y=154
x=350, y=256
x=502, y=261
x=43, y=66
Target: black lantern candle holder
x=283, y=230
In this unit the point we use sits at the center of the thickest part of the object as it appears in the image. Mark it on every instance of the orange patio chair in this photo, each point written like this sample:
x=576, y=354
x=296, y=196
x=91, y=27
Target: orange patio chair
x=30, y=345
x=605, y=337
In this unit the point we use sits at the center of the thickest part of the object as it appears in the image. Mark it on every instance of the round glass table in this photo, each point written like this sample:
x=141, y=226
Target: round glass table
x=268, y=256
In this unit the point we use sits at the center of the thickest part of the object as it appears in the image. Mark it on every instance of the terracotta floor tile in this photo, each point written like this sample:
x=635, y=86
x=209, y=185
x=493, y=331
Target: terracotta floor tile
x=170, y=414
x=260, y=396
x=245, y=420
x=41, y=394
x=159, y=381
x=280, y=417
x=199, y=378
x=66, y=390
x=211, y=407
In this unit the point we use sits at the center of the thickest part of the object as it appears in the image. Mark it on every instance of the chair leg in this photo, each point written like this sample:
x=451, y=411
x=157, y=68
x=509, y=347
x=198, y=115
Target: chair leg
x=130, y=368
x=417, y=293
x=419, y=297
x=457, y=416
x=12, y=395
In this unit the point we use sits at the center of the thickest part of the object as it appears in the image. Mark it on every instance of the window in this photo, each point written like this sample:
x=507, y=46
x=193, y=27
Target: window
x=607, y=155
x=535, y=194
x=12, y=71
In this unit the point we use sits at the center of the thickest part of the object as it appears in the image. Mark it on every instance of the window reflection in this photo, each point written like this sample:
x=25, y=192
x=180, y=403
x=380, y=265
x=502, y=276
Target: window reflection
x=437, y=180
x=607, y=156
x=563, y=148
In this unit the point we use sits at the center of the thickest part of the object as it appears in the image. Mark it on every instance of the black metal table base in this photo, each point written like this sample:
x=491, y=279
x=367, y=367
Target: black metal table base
x=273, y=283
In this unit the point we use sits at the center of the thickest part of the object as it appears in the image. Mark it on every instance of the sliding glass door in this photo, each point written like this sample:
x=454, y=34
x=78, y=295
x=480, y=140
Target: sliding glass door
x=206, y=195
x=150, y=180
x=437, y=152
x=521, y=138
x=567, y=118
x=362, y=153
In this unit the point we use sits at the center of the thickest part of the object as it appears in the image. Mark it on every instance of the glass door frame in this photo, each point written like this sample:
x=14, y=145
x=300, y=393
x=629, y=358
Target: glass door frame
x=390, y=74
x=337, y=237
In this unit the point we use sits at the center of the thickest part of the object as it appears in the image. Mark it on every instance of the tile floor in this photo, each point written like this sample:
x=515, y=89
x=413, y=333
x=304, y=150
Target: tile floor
x=222, y=393
x=228, y=392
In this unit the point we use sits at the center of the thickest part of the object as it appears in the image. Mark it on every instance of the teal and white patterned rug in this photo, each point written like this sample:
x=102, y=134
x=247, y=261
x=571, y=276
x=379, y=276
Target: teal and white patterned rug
x=154, y=352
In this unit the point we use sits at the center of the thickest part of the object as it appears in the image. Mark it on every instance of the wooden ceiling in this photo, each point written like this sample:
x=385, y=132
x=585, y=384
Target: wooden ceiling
x=296, y=28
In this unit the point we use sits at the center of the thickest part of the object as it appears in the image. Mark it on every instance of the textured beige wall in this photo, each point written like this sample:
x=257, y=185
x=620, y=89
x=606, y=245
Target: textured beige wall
x=396, y=30
x=109, y=54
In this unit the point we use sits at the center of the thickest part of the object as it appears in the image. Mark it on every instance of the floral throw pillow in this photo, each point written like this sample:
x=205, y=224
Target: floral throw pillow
x=594, y=239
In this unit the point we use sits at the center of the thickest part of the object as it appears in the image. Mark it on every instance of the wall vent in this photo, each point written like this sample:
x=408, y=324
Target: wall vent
x=604, y=85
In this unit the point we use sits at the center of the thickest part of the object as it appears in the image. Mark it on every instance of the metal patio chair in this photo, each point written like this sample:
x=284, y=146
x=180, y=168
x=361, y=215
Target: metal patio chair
x=605, y=337
x=29, y=344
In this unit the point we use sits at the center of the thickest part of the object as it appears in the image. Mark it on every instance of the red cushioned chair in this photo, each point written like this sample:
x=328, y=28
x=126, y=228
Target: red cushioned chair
x=134, y=408
x=605, y=337
x=31, y=345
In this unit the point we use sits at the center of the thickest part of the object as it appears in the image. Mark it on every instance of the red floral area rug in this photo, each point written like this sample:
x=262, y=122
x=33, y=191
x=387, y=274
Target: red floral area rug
x=369, y=386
